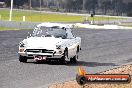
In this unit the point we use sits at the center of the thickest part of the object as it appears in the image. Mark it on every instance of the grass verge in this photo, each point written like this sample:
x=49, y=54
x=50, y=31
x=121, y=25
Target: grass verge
x=7, y=28
x=47, y=17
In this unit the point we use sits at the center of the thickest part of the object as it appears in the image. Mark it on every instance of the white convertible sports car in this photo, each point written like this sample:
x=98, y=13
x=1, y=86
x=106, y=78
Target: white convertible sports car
x=50, y=41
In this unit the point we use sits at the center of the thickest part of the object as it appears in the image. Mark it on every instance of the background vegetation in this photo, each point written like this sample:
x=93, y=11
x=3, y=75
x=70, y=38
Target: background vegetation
x=110, y=7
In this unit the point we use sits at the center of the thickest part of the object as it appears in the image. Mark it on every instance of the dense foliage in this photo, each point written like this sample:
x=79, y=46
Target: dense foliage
x=110, y=7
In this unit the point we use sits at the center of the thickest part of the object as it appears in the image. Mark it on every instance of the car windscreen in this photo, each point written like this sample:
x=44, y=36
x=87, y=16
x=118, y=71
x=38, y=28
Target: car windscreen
x=49, y=32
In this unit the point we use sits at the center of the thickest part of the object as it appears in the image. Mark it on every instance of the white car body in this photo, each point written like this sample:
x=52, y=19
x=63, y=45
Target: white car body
x=50, y=47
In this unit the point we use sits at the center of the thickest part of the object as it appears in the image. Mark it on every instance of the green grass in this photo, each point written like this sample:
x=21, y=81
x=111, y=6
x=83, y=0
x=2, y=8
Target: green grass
x=5, y=28
x=47, y=17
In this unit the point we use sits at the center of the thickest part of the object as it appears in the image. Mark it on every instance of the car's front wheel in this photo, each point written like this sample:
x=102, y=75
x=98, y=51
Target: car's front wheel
x=22, y=59
x=64, y=58
x=74, y=59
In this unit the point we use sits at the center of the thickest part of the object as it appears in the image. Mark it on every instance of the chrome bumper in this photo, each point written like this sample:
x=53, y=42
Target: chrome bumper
x=49, y=55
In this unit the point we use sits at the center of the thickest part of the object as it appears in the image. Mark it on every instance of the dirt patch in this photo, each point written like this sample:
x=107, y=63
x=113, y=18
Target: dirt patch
x=126, y=69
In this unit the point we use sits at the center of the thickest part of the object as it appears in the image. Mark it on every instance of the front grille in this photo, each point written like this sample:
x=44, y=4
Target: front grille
x=33, y=50
x=39, y=51
x=47, y=51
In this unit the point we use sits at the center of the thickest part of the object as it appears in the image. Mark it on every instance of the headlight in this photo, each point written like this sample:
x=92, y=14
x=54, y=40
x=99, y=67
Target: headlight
x=21, y=44
x=58, y=46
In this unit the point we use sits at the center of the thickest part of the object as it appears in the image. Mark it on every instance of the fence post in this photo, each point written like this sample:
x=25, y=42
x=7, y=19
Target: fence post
x=0, y=17
x=24, y=19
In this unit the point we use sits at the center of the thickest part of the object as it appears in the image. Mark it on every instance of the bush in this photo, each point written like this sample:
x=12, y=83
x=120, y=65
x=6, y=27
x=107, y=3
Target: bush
x=129, y=14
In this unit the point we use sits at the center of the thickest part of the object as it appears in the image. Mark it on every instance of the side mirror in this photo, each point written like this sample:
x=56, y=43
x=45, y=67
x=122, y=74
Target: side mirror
x=74, y=36
x=29, y=35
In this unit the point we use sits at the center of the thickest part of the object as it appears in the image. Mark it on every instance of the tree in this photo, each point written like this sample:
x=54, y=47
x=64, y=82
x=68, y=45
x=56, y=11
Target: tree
x=8, y=2
x=90, y=5
x=77, y=4
x=129, y=6
x=106, y=5
x=67, y=4
x=129, y=9
x=18, y=2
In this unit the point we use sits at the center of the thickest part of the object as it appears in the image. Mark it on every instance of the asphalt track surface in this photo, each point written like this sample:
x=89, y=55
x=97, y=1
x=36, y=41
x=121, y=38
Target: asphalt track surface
x=101, y=50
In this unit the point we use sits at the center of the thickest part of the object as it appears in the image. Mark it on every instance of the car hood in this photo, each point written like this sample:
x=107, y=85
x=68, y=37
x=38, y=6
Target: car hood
x=42, y=42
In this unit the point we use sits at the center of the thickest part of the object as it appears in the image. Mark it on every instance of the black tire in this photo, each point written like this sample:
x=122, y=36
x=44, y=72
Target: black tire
x=63, y=59
x=74, y=59
x=80, y=79
x=22, y=59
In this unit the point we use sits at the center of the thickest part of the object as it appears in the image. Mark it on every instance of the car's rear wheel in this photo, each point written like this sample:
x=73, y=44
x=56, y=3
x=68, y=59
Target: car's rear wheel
x=22, y=59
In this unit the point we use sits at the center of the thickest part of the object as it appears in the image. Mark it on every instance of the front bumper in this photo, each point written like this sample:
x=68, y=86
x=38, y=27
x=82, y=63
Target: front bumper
x=48, y=55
